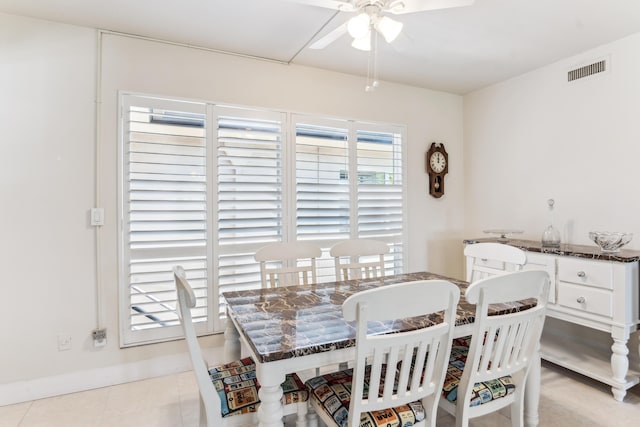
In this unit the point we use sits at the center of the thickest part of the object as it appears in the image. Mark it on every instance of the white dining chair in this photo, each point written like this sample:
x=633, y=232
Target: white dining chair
x=229, y=392
x=397, y=377
x=359, y=258
x=488, y=370
x=486, y=259
x=288, y=263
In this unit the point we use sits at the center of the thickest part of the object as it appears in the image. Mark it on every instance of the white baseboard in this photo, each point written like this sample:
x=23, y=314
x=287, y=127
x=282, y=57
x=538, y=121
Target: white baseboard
x=40, y=388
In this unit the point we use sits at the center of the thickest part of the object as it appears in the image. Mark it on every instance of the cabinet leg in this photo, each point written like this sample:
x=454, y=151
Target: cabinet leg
x=619, y=367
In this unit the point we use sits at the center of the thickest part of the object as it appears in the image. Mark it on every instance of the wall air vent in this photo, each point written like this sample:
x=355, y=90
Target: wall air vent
x=587, y=70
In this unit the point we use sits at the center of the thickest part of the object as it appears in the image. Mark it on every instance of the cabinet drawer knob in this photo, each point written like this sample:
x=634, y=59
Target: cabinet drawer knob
x=581, y=274
x=580, y=300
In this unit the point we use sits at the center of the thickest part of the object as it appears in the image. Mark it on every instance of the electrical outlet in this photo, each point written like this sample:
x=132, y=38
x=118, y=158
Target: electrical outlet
x=64, y=342
x=99, y=337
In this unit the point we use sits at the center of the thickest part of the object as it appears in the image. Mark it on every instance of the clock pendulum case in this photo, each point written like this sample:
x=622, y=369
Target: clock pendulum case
x=437, y=165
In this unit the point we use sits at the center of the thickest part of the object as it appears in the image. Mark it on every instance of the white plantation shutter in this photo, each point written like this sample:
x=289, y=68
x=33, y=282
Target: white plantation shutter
x=249, y=179
x=205, y=186
x=380, y=194
x=322, y=184
x=164, y=213
x=322, y=187
x=348, y=185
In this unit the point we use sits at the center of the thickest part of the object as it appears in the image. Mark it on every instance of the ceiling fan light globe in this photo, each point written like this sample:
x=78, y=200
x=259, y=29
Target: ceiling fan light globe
x=363, y=43
x=358, y=26
x=389, y=28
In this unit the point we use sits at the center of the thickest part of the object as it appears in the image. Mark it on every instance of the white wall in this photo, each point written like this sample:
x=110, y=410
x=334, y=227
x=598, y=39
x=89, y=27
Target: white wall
x=48, y=135
x=537, y=137
x=47, y=181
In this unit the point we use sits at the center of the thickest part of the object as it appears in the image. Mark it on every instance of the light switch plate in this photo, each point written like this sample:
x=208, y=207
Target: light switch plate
x=97, y=216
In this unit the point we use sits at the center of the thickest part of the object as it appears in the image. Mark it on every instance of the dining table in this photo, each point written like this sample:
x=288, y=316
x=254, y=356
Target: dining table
x=297, y=328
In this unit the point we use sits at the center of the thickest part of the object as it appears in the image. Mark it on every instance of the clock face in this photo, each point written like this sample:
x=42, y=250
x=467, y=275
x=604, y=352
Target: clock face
x=437, y=162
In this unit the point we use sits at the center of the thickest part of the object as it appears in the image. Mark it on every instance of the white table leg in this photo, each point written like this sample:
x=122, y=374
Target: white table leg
x=270, y=376
x=270, y=412
x=532, y=391
x=231, y=342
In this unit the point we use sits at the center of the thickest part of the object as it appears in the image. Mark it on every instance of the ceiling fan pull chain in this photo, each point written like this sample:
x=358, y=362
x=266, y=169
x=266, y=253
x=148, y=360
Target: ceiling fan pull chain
x=372, y=66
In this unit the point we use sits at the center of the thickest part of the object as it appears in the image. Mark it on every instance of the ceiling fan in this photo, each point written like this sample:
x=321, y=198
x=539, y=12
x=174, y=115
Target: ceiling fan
x=372, y=15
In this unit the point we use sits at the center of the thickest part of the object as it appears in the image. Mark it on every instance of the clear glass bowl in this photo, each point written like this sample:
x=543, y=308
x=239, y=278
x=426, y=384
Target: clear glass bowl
x=610, y=241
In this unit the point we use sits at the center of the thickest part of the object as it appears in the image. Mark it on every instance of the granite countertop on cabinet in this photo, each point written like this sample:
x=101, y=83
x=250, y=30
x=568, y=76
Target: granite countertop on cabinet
x=578, y=251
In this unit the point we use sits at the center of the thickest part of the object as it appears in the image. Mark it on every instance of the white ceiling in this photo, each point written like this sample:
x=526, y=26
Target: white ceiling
x=455, y=50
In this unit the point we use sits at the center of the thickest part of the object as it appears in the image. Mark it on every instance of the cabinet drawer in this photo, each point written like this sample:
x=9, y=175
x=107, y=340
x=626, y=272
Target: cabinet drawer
x=584, y=298
x=586, y=272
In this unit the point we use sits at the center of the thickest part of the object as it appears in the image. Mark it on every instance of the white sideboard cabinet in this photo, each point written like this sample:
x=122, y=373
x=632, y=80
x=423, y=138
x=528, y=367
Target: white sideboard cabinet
x=594, y=290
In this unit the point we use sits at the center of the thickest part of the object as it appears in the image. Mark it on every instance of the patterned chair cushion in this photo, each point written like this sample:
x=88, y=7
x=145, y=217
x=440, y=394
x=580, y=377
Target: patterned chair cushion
x=482, y=392
x=238, y=387
x=333, y=393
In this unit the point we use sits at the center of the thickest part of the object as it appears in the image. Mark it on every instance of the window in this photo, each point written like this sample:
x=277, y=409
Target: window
x=205, y=186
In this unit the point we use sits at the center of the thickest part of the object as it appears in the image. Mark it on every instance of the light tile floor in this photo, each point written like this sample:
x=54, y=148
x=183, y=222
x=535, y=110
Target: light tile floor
x=567, y=400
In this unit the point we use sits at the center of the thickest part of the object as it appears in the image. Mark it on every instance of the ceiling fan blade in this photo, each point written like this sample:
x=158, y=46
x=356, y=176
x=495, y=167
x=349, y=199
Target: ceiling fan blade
x=329, y=38
x=400, y=7
x=341, y=5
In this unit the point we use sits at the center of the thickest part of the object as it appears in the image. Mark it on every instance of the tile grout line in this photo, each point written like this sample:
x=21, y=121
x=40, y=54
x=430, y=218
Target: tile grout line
x=24, y=415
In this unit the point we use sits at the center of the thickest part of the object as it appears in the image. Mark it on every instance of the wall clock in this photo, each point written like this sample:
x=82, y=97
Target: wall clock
x=437, y=165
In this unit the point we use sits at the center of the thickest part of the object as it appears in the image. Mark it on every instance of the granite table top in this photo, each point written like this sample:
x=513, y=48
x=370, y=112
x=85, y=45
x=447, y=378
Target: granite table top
x=287, y=322
x=565, y=249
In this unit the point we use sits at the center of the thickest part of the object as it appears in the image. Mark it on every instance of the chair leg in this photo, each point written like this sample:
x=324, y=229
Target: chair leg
x=431, y=405
x=462, y=417
x=517, y=410
x=203, y=413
